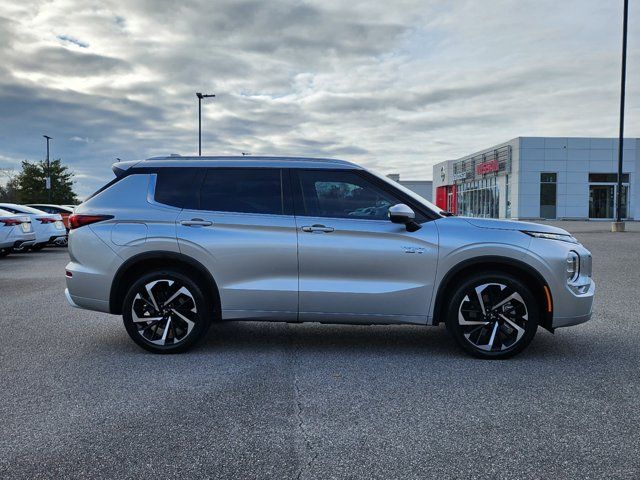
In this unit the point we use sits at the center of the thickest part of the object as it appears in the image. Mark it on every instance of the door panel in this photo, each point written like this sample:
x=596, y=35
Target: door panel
x=253, y=259
x=355, y=265
x=365, y=271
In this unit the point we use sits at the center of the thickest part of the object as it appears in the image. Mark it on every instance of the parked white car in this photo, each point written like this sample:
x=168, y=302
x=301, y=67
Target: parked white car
x=47, y=227
x=15, y=232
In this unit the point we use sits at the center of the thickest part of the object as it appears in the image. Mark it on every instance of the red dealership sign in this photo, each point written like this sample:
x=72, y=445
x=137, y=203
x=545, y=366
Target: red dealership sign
x=487, y=167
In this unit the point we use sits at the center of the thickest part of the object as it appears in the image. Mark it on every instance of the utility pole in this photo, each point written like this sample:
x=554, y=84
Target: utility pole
x=618, y=225
x=200, y=97
x=48, y=177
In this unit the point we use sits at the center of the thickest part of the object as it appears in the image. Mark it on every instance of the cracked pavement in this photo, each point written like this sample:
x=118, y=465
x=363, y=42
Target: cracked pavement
x=80, y=400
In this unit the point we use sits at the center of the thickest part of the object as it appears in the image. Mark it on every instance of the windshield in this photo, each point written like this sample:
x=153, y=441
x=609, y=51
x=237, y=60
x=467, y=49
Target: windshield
x=410, y=193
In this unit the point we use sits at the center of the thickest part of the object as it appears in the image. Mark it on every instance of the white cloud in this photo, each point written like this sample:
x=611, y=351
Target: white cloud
x=396, y=86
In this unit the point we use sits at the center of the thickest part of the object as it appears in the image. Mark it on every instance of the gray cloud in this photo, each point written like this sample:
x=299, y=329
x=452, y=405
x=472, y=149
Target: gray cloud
x=62, y=61
x=396, y=86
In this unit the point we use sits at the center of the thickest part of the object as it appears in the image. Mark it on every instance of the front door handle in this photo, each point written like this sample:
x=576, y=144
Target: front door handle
x=318, y=228
x=196, y=222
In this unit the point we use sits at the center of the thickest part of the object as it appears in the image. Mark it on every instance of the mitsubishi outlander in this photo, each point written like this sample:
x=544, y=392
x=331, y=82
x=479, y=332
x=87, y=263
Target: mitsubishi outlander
x=175, y=243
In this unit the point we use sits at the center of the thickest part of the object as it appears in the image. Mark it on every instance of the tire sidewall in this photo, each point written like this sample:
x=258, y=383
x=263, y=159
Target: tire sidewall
x=203, y=306
x=511, y=281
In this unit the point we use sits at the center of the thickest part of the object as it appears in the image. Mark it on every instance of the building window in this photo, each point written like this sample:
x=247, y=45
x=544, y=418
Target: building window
x=479, y=198
x=607, y=178
x=548, y=195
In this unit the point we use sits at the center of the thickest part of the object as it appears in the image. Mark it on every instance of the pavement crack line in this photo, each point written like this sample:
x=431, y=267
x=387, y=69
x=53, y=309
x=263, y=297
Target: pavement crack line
x=310, y=451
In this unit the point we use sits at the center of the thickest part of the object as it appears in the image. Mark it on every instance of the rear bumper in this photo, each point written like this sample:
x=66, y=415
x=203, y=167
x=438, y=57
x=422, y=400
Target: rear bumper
x=23, y=243
x=69, y=299
x=55, y=238
x=86, y=303
x=18, y=240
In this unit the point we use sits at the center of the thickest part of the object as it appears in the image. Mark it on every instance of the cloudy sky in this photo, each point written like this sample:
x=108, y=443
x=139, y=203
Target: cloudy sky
x=395, y=85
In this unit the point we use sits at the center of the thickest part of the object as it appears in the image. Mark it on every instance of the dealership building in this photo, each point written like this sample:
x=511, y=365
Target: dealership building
x=542, y=178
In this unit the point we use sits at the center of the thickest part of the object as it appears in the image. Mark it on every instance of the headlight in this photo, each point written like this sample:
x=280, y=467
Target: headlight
x=573, y=266
x=552, y=236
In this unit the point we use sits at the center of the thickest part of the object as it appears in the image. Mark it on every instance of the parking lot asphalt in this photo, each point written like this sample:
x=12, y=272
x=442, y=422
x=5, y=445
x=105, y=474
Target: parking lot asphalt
x=80, y=400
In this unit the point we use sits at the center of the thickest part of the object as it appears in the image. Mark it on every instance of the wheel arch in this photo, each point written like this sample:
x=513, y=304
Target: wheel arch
x=531, y=277
x=135, y=266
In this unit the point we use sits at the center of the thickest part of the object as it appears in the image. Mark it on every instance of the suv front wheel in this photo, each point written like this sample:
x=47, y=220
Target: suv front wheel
x=492, y=315
x=165, y=312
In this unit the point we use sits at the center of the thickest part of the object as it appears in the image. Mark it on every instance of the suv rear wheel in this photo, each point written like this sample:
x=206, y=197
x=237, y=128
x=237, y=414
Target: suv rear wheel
x=165, y=312
x=493, y=315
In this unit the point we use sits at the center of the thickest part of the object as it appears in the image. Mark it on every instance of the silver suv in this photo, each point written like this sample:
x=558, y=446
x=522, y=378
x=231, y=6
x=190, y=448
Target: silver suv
x=176, y=243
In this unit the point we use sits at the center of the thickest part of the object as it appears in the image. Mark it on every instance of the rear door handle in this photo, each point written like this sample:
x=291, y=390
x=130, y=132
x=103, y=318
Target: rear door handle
x=318, y=228
x=196, y=222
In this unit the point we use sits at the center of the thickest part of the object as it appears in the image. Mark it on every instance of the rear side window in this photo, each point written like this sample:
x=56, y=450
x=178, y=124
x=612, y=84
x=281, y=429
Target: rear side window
x=178, y=187
x=243, y=190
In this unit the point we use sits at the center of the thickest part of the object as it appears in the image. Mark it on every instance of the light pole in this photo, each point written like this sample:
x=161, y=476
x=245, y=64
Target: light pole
x=47, y=180
x=200, y=97
x=618, y=225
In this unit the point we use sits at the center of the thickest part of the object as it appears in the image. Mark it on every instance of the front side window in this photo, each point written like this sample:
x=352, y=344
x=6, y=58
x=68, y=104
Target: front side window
x=243, y=190
x=343, y=195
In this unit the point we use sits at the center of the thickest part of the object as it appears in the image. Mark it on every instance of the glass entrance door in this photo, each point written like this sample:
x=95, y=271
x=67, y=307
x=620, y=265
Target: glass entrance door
x=602, y=201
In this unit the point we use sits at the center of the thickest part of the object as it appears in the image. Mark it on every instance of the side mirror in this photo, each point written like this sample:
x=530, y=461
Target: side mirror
x=402, y=213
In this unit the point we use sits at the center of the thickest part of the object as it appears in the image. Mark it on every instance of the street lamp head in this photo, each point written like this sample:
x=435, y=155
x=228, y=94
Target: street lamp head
x=198, y=94
x=47, y=137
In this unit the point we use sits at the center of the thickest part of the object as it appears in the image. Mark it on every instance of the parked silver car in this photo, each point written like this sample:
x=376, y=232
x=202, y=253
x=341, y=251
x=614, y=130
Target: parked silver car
x=174, y=244
x=48, y=227
x=15, y=232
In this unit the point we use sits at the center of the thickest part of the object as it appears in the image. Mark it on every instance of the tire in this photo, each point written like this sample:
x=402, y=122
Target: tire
x=175, y=326
x=4, y=252
x=499, y=327
x=38, y=246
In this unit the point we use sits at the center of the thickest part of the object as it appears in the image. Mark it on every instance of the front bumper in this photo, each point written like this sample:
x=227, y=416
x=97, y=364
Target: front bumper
x=572, y=301
x=581, y=306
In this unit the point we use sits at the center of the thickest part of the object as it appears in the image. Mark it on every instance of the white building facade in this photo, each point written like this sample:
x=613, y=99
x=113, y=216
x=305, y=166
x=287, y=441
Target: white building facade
x=542, y=178
x=424, y=188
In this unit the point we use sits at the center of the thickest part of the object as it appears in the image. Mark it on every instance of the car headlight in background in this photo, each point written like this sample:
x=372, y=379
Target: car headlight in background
x=573, y=266
x=551, y=236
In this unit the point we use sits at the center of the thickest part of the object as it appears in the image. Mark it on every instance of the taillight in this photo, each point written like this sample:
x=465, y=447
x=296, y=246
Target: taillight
x=10, y=222
x=46, y=220
x=77, y=221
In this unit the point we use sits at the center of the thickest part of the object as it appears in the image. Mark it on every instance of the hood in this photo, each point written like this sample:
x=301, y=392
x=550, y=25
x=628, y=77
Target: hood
x=513, y=225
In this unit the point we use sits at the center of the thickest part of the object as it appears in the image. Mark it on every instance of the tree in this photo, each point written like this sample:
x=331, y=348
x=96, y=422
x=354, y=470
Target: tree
x=8, y=191
x=32, y=187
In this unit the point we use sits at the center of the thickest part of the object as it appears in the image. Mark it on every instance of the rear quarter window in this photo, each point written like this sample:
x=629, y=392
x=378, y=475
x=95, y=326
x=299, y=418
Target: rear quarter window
x=178, y=187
